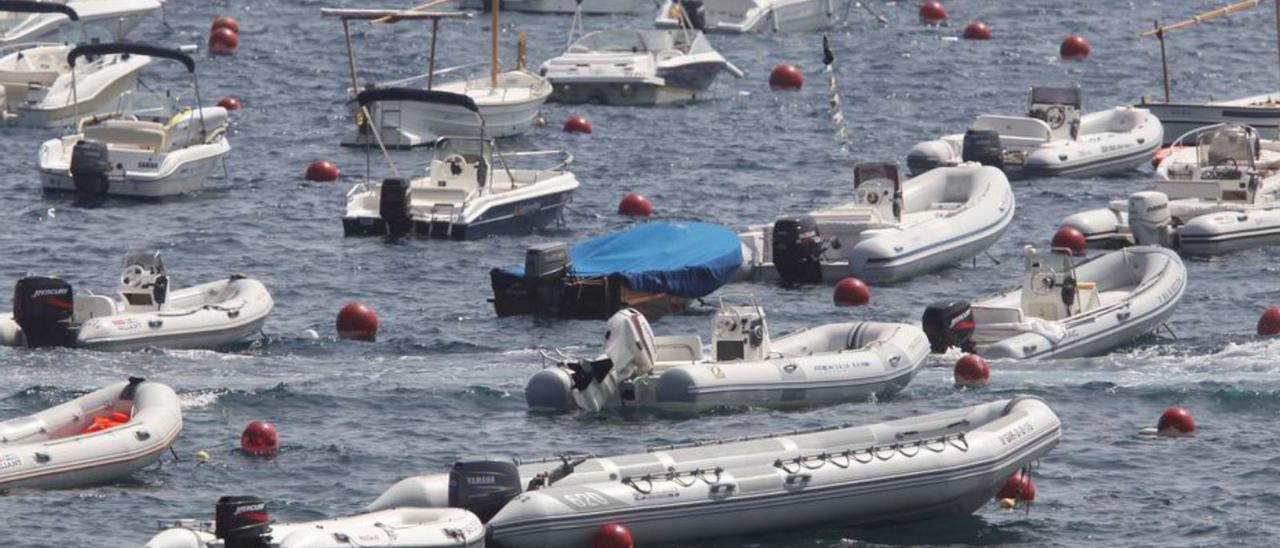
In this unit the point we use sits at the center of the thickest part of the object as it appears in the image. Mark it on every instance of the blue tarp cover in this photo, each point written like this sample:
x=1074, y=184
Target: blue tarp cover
x=685, y=259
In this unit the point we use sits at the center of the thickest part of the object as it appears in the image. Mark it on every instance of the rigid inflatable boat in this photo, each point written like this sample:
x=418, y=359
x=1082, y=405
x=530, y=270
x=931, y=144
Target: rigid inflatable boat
x=1052, y=140
x=243, y=521
x=654, y=267
x=1221, y=195
x=744, y=16
x=147, y=313
x=1065, y=309
x=99, y=437
x=936, y=465
x=892, y=231
x=830, y=363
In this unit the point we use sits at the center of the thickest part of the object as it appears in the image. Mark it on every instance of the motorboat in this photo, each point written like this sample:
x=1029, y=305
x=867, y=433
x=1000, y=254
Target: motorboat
x=636, y=67
x=825, y=364
x=1220, y=195
x=29, y=21
x=892, y=230
x=943, y=464
x=508, y=101
x=144, y=147
x=589, y=7
x=145, y=314
x=655, y=267
x=243, y=521
x=1065, y=308
x=470, y=191
x=100, y=437
x=745, y=16
x=1052, y=140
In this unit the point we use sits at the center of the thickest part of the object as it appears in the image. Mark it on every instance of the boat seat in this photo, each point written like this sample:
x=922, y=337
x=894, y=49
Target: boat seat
x=428, y=196
x=22, y=429
x=678, y=348
x=1087, y=297
x=129, y=133
x=986, y=315
x=87, y=307
x=1018, y=130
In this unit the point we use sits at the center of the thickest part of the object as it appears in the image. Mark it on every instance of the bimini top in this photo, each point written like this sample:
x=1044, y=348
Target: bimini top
x=28, y=6
x=130, y=47
x=416, y=95
x=684, y=259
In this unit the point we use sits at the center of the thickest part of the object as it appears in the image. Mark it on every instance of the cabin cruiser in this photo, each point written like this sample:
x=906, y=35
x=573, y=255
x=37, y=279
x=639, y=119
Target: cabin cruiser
x=893, y=229
x=744, y=16
x=1220, y=195
x=26, y=22
x=636, y=67
x=470, y=190
x=144, y=147
x=1052, y=140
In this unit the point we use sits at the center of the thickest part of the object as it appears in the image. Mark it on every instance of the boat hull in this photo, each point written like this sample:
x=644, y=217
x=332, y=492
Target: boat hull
x=1180, y=118
x=518, y=218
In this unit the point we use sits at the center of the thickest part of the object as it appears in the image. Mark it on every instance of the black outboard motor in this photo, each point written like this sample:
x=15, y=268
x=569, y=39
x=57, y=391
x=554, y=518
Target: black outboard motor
x=242, y=522
x=696, y=13
x=983, y=146
x=90, y=168
x=483, y=485
x=948, y=324
x=43, y=308
x=797, y=250
x=393, y=206
x=545, y=266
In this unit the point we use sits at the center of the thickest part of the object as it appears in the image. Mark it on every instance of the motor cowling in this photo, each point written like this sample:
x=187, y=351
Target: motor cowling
x=798, y=249
x=983, y=146
x=242, y=522
x=1150, y=219
x=393, y=206
x=483, y=485
x=43, y=308
x=90, y=168
x=949, y=324
x=696, y=13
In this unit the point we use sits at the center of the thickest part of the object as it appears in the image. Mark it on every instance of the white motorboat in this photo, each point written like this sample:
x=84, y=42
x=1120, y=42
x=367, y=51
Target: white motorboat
x=636, y=67
x=743, y=16
x=508, y=100
x=942, y=464
x=44, y=86
x=1052, y=140
x=826, y=364
x=1220, y=195
x=470, y=191
x=100, y=437
x=1261, y=112
x=1065, y=309
x=892, y=231
x=242, y=521
x=144, y=147
x=146, y=313
x=589, y=7
x=25, y=22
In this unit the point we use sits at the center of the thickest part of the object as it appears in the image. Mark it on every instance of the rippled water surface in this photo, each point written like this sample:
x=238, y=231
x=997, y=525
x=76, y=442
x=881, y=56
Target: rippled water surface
x=446, y=377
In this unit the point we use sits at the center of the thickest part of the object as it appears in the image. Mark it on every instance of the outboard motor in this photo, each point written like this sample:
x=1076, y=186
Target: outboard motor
x=90, y=168
x=797, y=250
x=43, y=308
x=242, y=522
x=1150, y=219
x=696, y=12
x=545, y=265
x=483, y=485
x=629, y=343
x=983, y=146
x=393, y=206
x=948, y=324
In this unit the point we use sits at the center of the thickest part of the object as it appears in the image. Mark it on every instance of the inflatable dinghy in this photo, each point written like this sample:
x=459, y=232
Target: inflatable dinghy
x=892, y=231
x=100, y=437
x=1065, y=309
x=1221, y=195
x=243, y=521
x=833, y=363
x=942, y=464
x=147, y=313
x=1052, y=140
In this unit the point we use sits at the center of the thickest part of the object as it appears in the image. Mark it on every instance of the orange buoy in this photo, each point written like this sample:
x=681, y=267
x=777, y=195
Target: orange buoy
x=972, y=370
x=224, y=22
x=1269, y=323
x=932, y=13
x=357, y=322
x=1175, y=422
x=1069, y=238
x=977, y=30
x=229, y=103
x=786, y=78
x=612, y=535
x=635, y=205
x=260, y=439
x=851, y=292
x=1074, y=48
x=577, y=124
x=322, y=172
x=223, y=41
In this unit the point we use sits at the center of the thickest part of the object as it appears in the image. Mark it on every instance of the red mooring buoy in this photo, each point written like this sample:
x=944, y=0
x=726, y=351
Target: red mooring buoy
x=1175, y=421
x=977, y=30
x=1069, y=238
x=851, y=292
x=577, y=124
x=1269, y=323
x=635, y=205
x=932, y=13
x=229, y=103
x=322, y=172
x=786, y=78
x=224, y=22
x=260, y=439
x=972, y=370
x=612, y=535
x=357, y=322
x=223, y=41
x=1019, y=488
x=1074, y=48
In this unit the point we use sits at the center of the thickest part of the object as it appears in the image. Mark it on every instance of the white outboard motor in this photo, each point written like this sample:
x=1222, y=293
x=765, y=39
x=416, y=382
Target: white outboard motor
x=1150, y=219
x=629, y=344
x=740, y=333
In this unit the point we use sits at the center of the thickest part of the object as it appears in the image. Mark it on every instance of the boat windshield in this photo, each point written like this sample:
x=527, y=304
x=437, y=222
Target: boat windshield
x=471, y=149
x=1232, y=147
x=146, y=105
x=623, y=40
